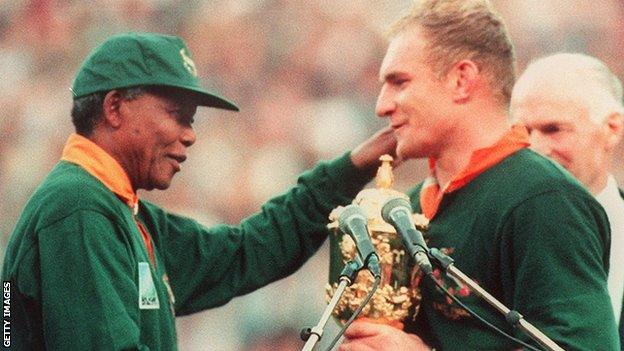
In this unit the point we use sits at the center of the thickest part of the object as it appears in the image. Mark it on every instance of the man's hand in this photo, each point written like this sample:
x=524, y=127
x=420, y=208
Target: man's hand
x=366, y=336
x=366, y=155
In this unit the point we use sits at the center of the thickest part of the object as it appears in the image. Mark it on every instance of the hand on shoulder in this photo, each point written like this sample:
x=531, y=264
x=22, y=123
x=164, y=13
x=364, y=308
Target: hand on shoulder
x=366, y=155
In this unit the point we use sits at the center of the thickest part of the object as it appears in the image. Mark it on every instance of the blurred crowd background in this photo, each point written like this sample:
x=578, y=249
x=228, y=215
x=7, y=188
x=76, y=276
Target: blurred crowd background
x=305, y=76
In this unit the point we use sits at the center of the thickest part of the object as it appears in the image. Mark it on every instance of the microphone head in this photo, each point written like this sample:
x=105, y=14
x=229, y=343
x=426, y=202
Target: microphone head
x=392, y=204
x=348, y=213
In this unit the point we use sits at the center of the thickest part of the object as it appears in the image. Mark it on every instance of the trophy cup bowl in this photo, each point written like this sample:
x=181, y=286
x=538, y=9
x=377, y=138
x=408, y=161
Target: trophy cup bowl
x=398, y=296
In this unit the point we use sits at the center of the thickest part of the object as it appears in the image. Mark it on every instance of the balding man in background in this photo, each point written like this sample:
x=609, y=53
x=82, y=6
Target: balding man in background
x=572, y=107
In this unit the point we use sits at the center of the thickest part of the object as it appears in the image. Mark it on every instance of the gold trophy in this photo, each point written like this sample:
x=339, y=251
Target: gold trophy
x=398, y=296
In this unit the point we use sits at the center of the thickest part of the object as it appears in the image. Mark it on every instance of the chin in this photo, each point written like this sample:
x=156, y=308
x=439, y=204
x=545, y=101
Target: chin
x=160, y=184
x=405, y=153
x=163, y=185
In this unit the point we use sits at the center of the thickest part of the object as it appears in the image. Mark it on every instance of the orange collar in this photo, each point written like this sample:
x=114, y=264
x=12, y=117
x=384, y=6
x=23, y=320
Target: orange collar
x=480, y=161
x=100, y=164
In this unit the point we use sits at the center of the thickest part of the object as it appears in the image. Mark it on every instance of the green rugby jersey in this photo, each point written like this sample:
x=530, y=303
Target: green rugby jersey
x=82, y=280
x=534, y=238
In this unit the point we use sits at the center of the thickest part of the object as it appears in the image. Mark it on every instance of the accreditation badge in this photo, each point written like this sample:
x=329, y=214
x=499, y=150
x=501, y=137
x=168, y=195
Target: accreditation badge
x=148, y=297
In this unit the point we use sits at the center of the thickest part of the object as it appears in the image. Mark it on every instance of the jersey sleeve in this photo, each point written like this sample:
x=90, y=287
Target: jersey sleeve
x=209, y=266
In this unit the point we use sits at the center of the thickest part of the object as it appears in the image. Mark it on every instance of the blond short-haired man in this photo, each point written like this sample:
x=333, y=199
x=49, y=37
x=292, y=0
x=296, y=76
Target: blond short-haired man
x=521, y=226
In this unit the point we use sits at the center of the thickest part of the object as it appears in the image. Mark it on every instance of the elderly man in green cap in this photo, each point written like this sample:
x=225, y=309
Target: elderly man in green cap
x=89, y=266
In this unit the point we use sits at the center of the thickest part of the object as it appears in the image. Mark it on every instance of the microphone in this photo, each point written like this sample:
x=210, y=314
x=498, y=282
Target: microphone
x=398, y=212
x=354, y=221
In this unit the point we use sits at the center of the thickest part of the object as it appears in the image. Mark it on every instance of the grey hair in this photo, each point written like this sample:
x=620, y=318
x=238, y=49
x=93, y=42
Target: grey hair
x=87, y=110
x=575, y=77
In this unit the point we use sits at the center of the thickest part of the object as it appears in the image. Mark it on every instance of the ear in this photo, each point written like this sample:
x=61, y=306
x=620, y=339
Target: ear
x=463, y=77
x=112, y=108
x=614, y=125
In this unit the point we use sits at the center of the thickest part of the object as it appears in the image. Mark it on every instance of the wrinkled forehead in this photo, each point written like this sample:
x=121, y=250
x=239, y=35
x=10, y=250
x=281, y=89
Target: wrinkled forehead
x=548, y=108
x=180, y=98
x=528, y=87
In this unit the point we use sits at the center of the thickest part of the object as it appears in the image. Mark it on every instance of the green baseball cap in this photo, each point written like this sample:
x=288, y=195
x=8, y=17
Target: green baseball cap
x=135, y=59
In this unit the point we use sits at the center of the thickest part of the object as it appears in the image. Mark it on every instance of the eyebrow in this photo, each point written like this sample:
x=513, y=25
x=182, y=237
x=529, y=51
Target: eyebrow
x=551, y=123
x=393, y=76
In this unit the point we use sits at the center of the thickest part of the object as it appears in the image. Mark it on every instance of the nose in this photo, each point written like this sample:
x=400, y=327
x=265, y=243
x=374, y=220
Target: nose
x=385, y=103
x=188, y=136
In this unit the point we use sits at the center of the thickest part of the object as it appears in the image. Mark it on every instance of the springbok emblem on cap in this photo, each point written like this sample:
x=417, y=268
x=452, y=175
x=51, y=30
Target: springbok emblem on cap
x=188, y=62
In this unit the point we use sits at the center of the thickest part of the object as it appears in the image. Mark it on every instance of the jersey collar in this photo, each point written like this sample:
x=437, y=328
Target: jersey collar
x=101, y=165
x=481, y=160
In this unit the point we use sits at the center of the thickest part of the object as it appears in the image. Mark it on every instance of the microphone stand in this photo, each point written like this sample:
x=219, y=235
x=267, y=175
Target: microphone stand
x=513, y=317
x=347, y=277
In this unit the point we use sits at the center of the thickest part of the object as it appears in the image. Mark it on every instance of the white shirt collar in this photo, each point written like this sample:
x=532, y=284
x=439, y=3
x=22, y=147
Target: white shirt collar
x=613, y=205
x=610, y=192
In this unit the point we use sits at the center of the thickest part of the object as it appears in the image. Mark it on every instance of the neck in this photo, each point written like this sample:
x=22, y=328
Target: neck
x=597, y=185
x=596, y=181
x=476, y=131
